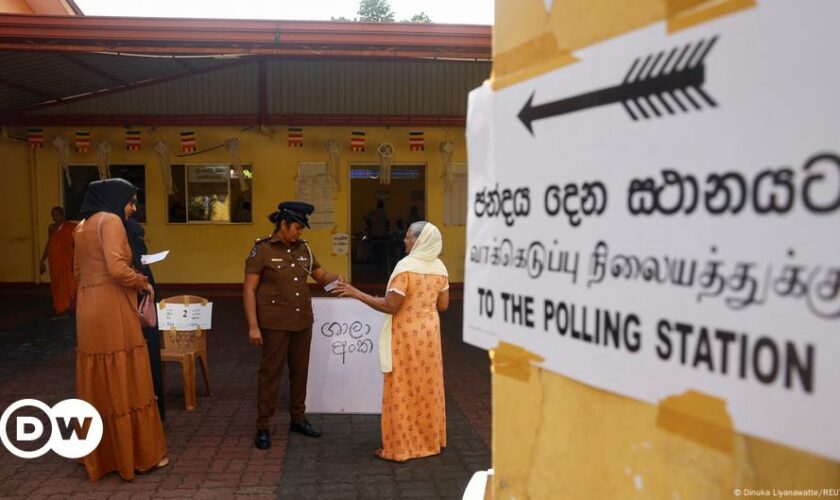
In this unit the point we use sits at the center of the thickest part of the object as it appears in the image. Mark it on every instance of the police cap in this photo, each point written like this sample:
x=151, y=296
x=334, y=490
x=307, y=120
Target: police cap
x=296, y=211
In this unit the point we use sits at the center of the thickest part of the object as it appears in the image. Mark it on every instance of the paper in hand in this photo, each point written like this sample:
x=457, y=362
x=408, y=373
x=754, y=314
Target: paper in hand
x=152, y=258
x=331, y=285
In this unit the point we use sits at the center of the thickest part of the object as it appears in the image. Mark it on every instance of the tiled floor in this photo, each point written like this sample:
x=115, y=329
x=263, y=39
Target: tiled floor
x=211, y=448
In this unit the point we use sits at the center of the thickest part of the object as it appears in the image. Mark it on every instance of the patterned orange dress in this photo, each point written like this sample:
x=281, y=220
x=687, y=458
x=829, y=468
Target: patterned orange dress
x=413, y=405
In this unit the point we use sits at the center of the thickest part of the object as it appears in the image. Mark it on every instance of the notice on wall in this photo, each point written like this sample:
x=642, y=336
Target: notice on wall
x=455, y=196
x=184, y=317
x=316, y=187
x=208, y=173
x=344, y=375
x=340, y=243
x=663, y=215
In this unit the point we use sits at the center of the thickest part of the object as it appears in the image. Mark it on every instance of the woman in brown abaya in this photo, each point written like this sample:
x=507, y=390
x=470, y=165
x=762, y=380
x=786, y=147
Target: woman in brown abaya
x=112, y=362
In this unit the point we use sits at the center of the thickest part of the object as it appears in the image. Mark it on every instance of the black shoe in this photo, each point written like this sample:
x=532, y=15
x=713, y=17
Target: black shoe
x=305, y=428
x=263, y=440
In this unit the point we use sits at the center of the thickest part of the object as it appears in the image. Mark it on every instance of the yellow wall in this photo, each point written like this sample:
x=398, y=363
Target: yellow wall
x=17, y=256
x=554, y=438
x=41, y=7
x=216, y=253
x=15, y=7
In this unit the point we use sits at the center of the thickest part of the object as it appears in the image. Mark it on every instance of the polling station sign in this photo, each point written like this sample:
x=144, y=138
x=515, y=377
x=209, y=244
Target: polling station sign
x=662, y=215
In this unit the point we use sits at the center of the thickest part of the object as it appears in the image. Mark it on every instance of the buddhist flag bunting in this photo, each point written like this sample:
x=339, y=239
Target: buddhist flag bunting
x=295, y=137
x=36, y=138
x=357, y=140
x=132, y=140
x=416, y=141
x=82, y=140
x=187, y=141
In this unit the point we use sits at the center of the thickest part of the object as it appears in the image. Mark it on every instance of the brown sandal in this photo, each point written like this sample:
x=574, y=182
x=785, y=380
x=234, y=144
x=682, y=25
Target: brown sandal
x=160, y=465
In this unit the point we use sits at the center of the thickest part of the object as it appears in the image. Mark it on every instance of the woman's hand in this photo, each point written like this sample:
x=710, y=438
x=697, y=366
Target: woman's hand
x=346, y=290
x=151, y=291
x=255, y=336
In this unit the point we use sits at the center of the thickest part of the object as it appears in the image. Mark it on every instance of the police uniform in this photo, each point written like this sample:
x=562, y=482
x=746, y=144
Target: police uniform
x=284, y=315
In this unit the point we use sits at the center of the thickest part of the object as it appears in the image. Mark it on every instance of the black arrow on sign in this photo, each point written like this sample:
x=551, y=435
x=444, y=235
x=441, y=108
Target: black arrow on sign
x=673, y=77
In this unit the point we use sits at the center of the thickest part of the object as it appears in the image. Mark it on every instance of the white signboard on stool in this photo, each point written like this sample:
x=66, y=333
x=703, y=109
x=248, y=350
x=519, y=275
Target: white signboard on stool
x=344, y=375
x=185, y=317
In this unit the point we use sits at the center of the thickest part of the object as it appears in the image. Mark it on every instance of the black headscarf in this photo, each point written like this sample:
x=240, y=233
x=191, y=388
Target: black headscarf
x=136, y=234
x=109, y=195
x=136, y=240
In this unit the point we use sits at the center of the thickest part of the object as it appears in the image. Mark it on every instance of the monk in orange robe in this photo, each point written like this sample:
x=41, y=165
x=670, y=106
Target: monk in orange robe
x=59, y=251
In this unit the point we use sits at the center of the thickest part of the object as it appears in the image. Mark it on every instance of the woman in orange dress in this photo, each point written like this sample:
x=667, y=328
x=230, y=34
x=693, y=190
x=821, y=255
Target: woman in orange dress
x=413, y=404
x=112, y=363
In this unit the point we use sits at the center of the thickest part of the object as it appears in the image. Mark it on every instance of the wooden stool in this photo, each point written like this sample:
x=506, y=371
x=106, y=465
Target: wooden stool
x=185, y=347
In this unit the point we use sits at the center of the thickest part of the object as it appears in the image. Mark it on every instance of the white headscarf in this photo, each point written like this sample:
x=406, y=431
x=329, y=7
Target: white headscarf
x=423, y=259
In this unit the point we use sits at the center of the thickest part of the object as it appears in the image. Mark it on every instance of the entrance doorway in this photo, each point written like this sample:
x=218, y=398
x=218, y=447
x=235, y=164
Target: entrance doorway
x=379, y=217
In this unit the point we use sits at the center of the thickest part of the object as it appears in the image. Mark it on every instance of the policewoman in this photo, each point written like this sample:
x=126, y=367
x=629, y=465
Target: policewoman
x=279, y=312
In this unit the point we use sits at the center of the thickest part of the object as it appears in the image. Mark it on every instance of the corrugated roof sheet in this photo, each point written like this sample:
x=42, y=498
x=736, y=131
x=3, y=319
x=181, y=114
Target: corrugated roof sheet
x=303, y=87
x=50, y=73
x=13, y=95
x=373, y=87
x=231, y=90
x=132, y=69
x=41, y=77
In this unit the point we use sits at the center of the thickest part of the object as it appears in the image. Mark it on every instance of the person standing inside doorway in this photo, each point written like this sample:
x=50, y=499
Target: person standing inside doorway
x=278, y=308
x=377, y=222
x=414, y=215
x=378, y=227
x=59, y=252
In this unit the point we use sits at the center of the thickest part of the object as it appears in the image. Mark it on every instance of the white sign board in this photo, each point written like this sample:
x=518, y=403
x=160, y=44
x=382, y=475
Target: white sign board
x=340, y=243
x=664, y=215
x=183, y=317
x=209, y=173
x=344, y=375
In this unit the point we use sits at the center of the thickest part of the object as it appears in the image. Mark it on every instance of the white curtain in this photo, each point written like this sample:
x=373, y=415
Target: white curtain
x=165, y=158
x=63, y=147
x=334, y=163
x=232, y=146
x=386, y=154
x=103, y=160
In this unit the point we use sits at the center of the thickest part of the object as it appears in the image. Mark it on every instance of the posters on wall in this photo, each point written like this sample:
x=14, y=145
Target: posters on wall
x=662, y=216
x=455, y=196
x=340, y=244
x=314, y=186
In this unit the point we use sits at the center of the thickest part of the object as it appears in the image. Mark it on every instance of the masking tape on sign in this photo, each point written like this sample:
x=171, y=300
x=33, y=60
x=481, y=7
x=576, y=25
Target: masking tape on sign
x=684, y=14
x=508, y=360
x=698, y=417
x=533, y=58
x=592, y=23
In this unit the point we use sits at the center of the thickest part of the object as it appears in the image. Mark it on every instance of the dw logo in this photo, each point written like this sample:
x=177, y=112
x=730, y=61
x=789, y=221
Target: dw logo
x=75, y=428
